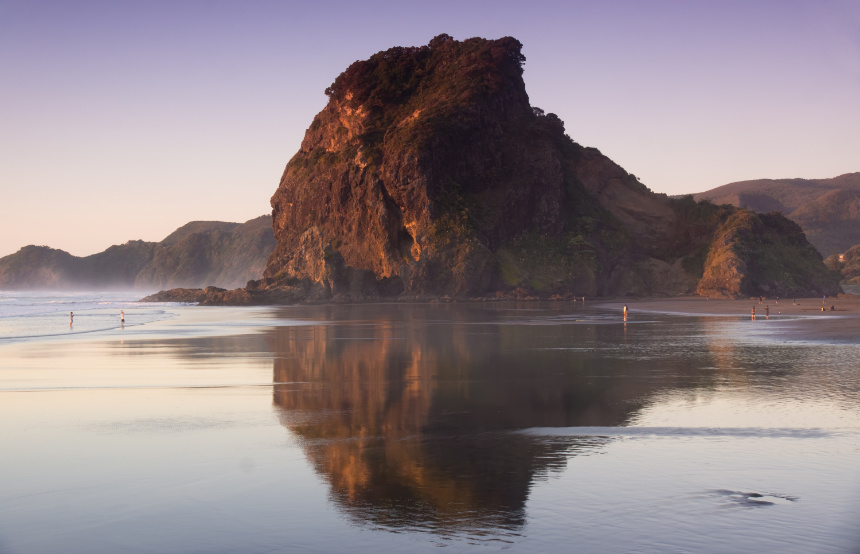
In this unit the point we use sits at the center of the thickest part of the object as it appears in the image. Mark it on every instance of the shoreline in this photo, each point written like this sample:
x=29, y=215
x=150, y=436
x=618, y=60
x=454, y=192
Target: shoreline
x=694, y=305
x=792, y=319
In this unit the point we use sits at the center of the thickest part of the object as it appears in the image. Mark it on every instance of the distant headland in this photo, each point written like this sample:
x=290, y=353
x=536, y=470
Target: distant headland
x=197, y=254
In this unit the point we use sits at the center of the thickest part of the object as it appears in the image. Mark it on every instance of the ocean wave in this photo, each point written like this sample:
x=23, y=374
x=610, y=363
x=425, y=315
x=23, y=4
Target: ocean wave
x=27, y=315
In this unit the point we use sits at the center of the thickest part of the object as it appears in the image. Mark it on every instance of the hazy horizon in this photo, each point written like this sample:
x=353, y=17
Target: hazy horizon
x=126, y=121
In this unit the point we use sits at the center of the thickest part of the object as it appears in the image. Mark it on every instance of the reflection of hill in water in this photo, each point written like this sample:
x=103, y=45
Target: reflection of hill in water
x=405, y=410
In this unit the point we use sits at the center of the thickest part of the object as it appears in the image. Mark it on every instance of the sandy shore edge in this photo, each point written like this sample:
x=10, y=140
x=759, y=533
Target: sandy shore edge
x=789, y=318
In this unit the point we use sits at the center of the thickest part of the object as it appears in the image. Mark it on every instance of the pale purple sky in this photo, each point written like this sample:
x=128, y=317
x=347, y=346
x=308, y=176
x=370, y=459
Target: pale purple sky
x=125, y=120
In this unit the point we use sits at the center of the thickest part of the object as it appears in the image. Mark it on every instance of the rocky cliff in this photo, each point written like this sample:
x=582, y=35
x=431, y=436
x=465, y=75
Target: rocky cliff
x=429, y=174
x=198, y=253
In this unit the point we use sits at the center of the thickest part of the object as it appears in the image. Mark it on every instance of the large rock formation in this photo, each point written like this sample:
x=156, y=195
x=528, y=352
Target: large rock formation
x=429, y=174
x=196, y=254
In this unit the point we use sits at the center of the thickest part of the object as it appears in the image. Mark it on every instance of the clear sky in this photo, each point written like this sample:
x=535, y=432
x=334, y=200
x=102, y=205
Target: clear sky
x=124, y=120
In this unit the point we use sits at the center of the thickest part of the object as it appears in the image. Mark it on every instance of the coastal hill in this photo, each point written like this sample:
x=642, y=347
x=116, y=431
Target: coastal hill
x=828, y=210
x=847, y=264
x=198, y=253
x=429, y=175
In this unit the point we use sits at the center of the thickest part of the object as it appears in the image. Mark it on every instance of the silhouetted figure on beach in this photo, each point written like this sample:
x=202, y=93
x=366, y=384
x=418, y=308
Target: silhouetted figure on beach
x=625, y=313
x=832, y=308
x=753, y=312
x=71, y=318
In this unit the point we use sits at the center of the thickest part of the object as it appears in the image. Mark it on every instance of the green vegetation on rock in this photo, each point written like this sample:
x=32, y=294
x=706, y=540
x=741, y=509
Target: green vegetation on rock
x=848, y=267
x=764, y=254
x=828, y=210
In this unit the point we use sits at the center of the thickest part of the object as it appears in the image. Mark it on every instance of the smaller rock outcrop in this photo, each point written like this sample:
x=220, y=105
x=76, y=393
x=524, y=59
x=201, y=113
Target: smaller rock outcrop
x=828, y=210
x=763, y=254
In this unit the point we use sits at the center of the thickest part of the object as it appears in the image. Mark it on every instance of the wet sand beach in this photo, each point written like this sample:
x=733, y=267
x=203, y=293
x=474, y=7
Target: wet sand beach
x=524, y=427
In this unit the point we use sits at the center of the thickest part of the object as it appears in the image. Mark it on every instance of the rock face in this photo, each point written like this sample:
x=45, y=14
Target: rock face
x=198, y=253
x=828, y=210
x=429, y=175
x=764, y=255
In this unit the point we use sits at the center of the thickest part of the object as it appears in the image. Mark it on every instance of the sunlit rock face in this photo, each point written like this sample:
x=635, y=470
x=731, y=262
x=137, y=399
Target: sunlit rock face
x=429, y=174
x=764, y=255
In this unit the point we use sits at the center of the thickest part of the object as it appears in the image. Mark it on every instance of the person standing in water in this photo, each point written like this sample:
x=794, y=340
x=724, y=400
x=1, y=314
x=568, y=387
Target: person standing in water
x=71, y=318
x=753, y=312
x=625, y=313
x=122, y=318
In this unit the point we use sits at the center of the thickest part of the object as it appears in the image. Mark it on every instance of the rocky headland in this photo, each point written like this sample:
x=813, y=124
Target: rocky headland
x=828, y=210
x=196, y=254
x=429, y=175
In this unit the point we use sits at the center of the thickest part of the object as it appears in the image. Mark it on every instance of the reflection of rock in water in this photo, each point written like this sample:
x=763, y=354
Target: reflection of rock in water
x=407, y=419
